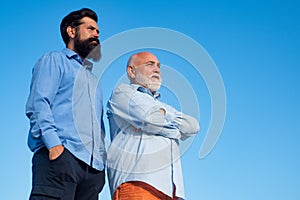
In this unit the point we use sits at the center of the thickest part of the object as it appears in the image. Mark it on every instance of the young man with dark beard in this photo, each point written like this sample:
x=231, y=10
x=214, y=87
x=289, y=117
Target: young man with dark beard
x=64, y=108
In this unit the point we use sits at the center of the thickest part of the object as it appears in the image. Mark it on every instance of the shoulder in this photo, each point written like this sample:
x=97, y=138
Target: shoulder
x=124, y=87
x=56, y=53
x=53, y=54
x=122, y=91
x=51, y=60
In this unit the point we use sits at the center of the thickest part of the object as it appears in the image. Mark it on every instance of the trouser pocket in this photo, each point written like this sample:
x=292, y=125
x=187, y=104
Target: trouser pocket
x=55, y=179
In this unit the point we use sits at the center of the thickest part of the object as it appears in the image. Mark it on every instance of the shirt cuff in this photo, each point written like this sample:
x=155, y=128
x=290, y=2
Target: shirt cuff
x=51, y=139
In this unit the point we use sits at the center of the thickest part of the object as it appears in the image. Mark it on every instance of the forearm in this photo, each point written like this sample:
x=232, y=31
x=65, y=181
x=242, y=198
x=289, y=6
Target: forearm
x=186, y=124
x=156, y=123
x=151, y=122
x=43, y=125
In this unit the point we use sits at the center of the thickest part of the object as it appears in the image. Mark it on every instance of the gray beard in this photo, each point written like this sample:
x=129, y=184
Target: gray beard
x=146, y=82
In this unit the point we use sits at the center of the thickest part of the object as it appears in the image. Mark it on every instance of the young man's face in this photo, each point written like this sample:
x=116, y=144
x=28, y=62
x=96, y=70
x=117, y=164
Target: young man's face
x=86, y=42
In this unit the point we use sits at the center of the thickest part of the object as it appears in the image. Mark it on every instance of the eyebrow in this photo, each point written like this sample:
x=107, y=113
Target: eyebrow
x=152, y=62
x=93, y=28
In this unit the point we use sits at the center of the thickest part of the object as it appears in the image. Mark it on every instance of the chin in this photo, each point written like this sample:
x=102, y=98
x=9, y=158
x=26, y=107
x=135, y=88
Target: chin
x=95, y=54
x=154, y=87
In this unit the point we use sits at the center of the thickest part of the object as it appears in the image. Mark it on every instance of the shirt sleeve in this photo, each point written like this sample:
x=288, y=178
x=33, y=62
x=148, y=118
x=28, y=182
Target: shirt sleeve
x=186, y=124
x=46, y=77
x=141, y=111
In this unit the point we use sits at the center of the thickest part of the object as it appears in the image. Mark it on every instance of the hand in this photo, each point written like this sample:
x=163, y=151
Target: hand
x=55, y=152
x=136, y=129
x=163, y=111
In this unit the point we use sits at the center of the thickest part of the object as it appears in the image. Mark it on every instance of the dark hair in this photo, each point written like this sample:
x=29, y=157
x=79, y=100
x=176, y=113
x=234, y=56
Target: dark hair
x=73, y=19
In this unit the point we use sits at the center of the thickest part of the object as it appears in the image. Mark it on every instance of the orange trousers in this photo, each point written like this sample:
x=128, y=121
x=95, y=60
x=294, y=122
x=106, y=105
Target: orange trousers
x=136, y=190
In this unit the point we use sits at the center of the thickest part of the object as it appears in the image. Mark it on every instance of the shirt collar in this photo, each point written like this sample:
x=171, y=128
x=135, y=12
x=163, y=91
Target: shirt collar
x=71, y=54
x=140, y=88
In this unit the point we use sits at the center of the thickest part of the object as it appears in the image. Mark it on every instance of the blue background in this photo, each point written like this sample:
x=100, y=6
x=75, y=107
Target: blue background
x=255, y=45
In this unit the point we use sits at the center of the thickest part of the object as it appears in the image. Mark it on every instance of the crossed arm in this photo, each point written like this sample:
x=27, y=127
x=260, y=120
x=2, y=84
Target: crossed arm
x=145, y=113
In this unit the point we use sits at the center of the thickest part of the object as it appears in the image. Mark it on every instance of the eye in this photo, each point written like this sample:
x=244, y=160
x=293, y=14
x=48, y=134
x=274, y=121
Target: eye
x=93, y=28
x=149, y=64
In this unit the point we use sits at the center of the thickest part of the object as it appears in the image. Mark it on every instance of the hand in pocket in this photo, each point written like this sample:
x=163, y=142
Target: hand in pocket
x=55, y=152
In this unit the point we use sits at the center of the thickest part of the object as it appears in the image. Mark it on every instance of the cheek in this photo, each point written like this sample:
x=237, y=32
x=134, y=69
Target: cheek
x=147, y=72
x=84, y=35
x=142, y=72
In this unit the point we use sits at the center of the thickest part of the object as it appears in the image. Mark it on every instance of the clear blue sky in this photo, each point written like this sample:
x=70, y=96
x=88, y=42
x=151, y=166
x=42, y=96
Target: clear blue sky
x=254, y=44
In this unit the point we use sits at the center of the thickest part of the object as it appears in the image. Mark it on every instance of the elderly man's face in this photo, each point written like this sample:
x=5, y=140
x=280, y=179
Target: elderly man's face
x=147, y=71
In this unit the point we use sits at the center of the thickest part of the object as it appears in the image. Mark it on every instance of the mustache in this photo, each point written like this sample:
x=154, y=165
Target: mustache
x=94, y=39
x=155, y=75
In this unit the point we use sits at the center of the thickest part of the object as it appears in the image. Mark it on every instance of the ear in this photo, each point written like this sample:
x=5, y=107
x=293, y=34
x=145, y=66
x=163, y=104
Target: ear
x=131, y=71
x=71, y=32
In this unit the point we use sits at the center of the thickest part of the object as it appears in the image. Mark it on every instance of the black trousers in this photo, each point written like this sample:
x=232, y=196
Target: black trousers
x=65, y=178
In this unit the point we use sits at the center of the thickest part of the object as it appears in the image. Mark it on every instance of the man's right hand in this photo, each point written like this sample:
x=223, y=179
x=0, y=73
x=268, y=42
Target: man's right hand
x=163, y=111
x=55, y=152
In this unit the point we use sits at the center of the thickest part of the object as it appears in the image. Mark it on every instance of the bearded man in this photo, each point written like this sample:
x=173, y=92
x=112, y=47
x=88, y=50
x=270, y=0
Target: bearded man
x=64, y=108
x=143, y=159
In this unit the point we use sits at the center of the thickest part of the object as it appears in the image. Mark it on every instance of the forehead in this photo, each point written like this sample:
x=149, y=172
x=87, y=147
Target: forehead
x=86, y=21
x=146, y=57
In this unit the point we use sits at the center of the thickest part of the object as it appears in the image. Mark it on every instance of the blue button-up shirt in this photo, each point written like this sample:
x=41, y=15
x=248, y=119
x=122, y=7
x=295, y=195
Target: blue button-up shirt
x=144, y=143
x=65, y=107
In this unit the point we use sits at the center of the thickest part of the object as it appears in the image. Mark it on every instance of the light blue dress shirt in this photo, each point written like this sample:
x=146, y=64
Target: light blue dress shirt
x=144, y=143
x=65, y=107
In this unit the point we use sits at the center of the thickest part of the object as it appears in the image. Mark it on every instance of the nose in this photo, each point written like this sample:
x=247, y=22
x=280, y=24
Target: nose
x=157, y=68
x=96, y=33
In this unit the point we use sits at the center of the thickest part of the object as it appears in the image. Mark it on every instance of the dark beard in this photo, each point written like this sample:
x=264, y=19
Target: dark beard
x=87, y=48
